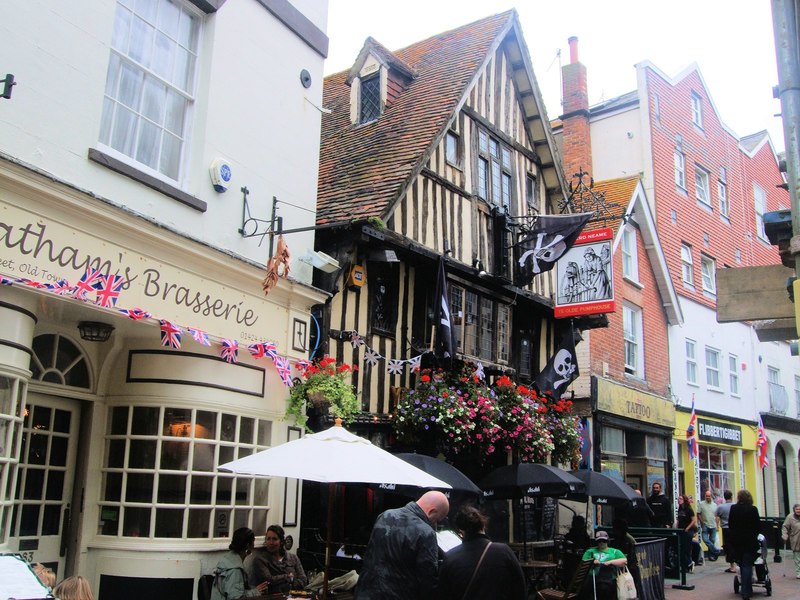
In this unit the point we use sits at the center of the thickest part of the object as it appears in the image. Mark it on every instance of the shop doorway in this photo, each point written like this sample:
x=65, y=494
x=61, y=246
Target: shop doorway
x=782, y=481
x=45, y=479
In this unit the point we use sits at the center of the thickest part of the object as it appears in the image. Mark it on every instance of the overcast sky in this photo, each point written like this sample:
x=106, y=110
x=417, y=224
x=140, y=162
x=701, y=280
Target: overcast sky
x=731, y=41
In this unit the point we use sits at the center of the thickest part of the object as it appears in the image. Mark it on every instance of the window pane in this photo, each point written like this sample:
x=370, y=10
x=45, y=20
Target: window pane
x=145, y=420
x=153, y=96
x=147, y=146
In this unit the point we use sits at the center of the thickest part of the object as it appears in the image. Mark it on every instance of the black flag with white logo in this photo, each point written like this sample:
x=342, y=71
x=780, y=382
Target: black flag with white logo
x=444, y=348
x=561, y=369
x=550, y=238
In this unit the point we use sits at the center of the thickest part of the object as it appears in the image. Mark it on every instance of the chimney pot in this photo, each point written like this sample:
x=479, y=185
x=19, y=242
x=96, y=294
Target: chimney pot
x=573, y=49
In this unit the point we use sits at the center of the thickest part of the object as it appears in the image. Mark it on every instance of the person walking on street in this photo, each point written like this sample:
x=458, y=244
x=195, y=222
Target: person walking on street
x=661, y=507
x=723, y=512
x=401, y=560
x=791, y=534
x=687, y=521
x=478, y=568
x=707, y=516
x=744, y=525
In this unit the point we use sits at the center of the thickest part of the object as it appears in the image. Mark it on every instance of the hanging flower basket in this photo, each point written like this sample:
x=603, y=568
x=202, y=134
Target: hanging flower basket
x=325, y=389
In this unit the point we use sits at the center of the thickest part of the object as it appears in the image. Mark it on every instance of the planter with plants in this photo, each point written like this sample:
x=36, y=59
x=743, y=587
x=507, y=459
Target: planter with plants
x=325, y=389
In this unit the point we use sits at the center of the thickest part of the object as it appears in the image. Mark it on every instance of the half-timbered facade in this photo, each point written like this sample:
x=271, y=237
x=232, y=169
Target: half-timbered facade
x=446, y=144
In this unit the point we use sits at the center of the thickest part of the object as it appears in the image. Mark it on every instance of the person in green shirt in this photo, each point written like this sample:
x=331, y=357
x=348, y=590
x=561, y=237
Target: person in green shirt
x=606, y=560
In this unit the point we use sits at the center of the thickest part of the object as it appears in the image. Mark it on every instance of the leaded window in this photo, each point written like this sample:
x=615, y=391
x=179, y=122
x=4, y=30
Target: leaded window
x=370, y=108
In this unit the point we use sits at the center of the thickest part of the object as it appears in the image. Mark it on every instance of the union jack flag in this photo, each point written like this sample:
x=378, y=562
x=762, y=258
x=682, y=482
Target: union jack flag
x=170, y=335
x=230, y=350
x=61, y=287
x=761, y=444
x=32, y=283
x=284, y=370
x=271, y=350
x=302, y=365
x=199, y=336
x=108, y=290
x=691, y=433
x=415, y=363
x=257, y=350
x=395, y=366
x=6, y=281
x=135, y=314
x=87, y=283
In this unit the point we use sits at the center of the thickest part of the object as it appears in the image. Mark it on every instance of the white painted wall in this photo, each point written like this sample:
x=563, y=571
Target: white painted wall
x=250, y=109
x=616, y=145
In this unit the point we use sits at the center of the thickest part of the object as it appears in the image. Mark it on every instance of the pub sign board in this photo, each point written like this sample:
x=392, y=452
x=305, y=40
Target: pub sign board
x=584, y=276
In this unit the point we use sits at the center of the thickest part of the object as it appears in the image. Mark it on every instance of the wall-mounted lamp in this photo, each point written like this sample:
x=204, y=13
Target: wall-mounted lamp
x=94, y=331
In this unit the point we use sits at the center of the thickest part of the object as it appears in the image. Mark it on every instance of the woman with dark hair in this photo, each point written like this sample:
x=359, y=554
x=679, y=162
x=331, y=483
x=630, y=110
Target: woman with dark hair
x=230, y=580
x=479, y=569
x=273, y=564
x=744, y=525
x=687, y=521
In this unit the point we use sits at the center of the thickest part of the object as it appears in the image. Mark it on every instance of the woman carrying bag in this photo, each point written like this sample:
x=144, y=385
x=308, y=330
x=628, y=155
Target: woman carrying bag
x=479, y=569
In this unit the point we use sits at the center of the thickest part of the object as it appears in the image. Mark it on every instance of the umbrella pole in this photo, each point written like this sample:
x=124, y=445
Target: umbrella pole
x=331, y=498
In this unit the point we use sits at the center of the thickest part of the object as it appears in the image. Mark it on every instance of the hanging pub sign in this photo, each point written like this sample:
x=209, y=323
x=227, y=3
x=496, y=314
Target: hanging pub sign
x=585, y=277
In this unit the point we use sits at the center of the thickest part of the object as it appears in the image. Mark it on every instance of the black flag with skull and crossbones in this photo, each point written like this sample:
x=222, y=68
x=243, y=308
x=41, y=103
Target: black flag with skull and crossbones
x=550, y=238
x=561, y=369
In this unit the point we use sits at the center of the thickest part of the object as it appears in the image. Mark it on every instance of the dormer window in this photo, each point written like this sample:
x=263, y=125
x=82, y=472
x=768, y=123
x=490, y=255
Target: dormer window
x=370, y=105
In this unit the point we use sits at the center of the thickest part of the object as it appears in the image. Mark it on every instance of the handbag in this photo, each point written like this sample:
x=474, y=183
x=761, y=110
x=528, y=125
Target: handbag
x=626, y=588
x=475, y=572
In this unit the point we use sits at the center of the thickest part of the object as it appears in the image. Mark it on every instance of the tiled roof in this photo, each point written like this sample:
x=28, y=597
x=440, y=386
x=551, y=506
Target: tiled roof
x=618, y=193
x=364, y=168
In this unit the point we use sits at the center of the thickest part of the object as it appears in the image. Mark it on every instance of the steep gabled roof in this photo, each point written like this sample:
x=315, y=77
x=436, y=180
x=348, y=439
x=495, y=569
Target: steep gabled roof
x=385, y=56
x=364, y=169
x=629, y=196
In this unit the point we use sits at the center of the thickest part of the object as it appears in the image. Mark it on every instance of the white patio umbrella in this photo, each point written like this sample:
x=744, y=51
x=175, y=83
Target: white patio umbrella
x=333, y=456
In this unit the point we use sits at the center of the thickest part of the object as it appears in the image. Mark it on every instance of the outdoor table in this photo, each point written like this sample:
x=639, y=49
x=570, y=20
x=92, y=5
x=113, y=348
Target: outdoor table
x=540, y=573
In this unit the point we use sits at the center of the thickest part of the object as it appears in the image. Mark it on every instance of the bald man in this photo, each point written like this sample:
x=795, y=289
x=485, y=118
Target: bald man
x=401, y=561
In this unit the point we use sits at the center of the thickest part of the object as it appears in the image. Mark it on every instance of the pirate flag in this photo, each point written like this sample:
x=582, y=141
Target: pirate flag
x=550, y=238
x=444, y=348
x=561, y=369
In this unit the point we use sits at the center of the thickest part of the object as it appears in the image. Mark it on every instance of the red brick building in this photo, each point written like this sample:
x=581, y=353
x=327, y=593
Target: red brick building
x=708, y=189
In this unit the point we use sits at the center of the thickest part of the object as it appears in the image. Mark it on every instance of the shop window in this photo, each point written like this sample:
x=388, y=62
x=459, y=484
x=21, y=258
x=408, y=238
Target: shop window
x=613, y=440
x=384, y=286
x=160, y=477
x=57, y=360
x=12, y=407
x=716, y=471
x=656, y=447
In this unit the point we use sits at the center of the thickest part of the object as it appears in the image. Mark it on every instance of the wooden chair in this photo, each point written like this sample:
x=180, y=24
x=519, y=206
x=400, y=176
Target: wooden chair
x=573, y=590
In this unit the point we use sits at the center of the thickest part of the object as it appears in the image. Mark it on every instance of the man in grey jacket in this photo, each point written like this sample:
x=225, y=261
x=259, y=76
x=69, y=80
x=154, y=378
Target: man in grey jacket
x=401, y=560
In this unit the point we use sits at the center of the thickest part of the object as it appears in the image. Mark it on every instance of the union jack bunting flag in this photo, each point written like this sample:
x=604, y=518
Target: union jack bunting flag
x=87, y=283
x=762, y=444
x=395, y=366
x=372, y=357
x=6, y=281
x=271, y=350
x=31, y=283
x=284, y=370
x=257, y=350
x=135, y=314
x=230, y=350
x=108, y=290
x=302, y=365
x=414, y=363
x=199, y=336
x=691, y=433
x=60, y=287
x=356, y=340
x=170, y=335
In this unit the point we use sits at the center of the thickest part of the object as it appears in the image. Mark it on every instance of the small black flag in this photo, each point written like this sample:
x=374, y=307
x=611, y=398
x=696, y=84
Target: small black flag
x=561, y=369
x=550, y=238
x=444, y=348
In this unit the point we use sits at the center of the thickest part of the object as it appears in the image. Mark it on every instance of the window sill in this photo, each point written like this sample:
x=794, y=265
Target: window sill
x=458, y=166
x=693, y=384
x=716, y=390
x=127, y=170
x=634, y=282
x=705, y=205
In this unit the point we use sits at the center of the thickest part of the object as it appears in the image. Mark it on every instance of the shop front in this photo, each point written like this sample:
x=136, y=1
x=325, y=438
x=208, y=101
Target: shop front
x=633, y=433
x=725, y=457
x=119, y=398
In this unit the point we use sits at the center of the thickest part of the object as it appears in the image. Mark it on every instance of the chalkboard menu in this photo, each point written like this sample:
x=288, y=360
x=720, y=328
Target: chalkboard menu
x=548, y=518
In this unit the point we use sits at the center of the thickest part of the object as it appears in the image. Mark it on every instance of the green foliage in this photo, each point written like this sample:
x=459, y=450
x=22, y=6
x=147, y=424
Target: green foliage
x=328, y=388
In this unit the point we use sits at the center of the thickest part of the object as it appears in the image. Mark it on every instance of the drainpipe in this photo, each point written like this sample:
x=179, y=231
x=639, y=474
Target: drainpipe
x=787, y=50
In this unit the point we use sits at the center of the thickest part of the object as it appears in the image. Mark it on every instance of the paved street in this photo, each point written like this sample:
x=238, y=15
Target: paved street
x=712, y=583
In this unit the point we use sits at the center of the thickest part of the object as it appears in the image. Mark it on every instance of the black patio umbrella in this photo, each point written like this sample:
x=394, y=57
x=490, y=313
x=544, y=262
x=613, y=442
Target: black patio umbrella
x=603, y=489
x=440, y=469
x=529, y=479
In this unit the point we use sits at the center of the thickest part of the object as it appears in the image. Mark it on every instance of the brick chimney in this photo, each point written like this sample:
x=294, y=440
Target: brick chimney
x=577, y=143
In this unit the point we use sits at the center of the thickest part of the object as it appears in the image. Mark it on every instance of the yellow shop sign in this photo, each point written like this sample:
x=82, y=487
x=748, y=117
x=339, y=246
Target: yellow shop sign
x=617, y=399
